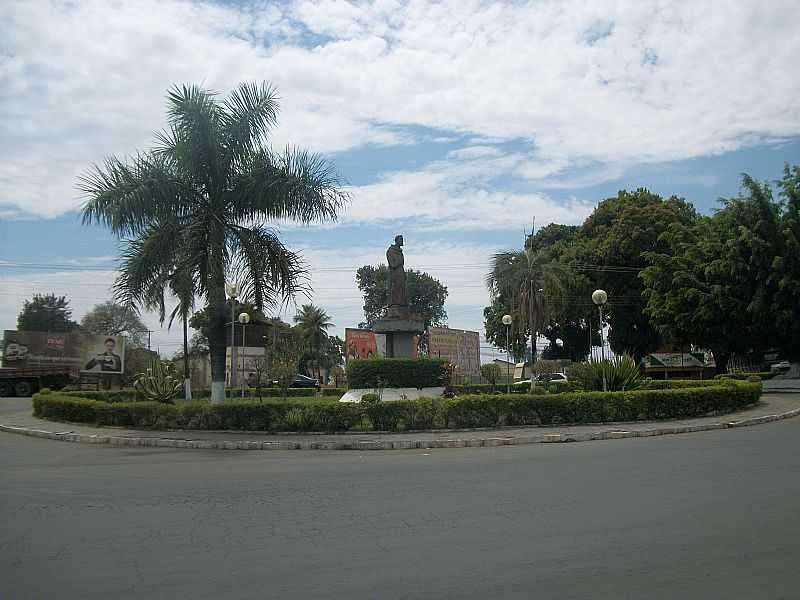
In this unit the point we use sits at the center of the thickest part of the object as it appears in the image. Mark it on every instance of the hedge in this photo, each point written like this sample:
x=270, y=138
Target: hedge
x=395, y=372
x=132, y=396
x=338, y=392
x=426, y=413
x=744, y=376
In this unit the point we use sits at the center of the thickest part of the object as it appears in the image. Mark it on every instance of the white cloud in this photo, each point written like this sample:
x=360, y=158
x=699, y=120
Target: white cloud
x=613, y=83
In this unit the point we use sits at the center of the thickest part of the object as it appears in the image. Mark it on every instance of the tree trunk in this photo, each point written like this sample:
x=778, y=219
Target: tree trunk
x=187, y=382
x=217, y=312
x=721, y=361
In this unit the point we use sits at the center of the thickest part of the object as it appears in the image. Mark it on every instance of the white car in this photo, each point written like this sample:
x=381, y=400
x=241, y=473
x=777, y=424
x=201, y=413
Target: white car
x=557, y=378
x=784, y=365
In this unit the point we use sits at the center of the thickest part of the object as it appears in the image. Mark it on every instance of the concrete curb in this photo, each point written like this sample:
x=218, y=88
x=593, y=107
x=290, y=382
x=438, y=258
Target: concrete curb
x=473, y=442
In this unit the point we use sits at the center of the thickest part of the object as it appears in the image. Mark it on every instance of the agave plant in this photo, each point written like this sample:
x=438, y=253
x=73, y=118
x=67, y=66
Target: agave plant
x=159, y=382
x=621, y=373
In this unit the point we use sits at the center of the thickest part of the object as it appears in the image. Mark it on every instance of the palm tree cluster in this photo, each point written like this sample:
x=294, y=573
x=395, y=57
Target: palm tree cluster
x=532, y=286
x=313, y=323
x=194, y=211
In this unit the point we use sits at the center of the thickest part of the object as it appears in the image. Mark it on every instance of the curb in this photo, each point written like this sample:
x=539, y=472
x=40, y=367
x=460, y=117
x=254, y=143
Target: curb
x=475, y=442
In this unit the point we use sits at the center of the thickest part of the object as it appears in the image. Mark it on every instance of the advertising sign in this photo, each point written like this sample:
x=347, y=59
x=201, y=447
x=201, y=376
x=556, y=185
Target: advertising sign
x=82, y=352
x=462, y=348
x=362, y=343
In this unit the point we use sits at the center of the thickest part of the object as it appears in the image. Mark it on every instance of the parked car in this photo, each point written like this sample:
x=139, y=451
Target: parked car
x=301, y=381
x=557, y=378
x=784, y=365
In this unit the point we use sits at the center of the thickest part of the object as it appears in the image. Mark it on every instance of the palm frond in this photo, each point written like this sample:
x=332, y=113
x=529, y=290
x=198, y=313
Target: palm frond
x=128, y=197
x=248, y=114
x=269, y=272
x=296, y=185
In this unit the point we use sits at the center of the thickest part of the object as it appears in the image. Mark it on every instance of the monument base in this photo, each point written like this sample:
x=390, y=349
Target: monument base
x=394, y=394
x=400, y=325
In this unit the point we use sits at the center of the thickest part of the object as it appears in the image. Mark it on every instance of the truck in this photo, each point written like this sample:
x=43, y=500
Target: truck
x=26, y=381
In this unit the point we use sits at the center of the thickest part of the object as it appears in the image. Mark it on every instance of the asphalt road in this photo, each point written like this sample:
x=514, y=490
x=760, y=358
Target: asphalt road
x=705, y=515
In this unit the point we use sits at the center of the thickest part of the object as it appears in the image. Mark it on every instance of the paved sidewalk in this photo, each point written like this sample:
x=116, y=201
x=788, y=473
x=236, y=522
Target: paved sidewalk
x=15, y=417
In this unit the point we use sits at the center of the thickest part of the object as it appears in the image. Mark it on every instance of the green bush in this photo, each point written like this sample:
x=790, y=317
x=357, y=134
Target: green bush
x=132, y=396
x=678, y=400
x=395, y=372
x=744, y=376
x=338, y=392
x=674, y=384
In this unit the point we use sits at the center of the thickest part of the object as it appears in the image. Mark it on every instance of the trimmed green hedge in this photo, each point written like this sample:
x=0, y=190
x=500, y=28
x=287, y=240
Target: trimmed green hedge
x=744, y=376
x=338, y=392
x=426, y=413
x=395, y=372
x=132, y=396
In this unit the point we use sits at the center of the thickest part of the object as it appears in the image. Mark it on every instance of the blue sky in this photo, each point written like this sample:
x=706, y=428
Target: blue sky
x=454, y=123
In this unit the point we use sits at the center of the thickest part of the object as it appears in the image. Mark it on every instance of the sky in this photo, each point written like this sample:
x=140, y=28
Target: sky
x=456, y=123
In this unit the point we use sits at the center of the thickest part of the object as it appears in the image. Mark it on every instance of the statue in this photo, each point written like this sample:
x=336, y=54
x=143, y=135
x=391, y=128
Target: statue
x=398, y=294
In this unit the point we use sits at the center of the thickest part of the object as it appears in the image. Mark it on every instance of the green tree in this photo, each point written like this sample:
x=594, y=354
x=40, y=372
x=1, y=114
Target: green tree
x=426, y=295
x=787, y=266
x=608, y=251
x=532, y=287
x=312, y=323
x=713, y=283
x=46, y=312
x=495, y=331
x=491, y=372
x=110, y=318
x=283, y=352
x=200, y=202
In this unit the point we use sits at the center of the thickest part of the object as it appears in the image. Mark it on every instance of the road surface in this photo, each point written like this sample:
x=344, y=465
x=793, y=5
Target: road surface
x=704, y=515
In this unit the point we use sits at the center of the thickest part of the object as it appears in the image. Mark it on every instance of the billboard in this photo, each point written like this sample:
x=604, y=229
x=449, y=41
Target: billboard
x=462, y=348
x=363, y=343
x=82, y=352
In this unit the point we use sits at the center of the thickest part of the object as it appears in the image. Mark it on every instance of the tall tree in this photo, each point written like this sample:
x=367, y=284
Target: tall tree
x=713, y=283
x=426, y=295
x=182, y=288
x=533, y=285
x=46, y=312
x=110, y=318
x=787, y=266
x=608, y=250
x=312, y=325
x=200, y=202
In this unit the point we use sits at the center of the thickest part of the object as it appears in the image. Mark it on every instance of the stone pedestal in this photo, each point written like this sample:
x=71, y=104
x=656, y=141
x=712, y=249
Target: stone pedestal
x=399, y=326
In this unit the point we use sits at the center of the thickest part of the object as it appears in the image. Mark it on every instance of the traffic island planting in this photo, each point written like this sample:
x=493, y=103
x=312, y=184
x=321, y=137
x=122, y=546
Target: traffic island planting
x=680, y=400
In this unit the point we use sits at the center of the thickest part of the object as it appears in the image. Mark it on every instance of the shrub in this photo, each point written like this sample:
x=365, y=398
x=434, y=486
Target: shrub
x=682, y=400
x=337, y=392
x=395, y=372
x=159, y=383
x=743, y=376
x=620, y=374
x=491, y=373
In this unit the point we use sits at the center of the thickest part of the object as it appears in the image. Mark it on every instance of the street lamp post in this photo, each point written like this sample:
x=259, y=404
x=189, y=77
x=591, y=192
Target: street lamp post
x=244, y=319
x=507, y=322
x=599, y=297
x=232, y=289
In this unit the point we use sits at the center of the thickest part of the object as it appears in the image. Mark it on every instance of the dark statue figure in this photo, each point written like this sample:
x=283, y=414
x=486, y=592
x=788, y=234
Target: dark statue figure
x=398, y=293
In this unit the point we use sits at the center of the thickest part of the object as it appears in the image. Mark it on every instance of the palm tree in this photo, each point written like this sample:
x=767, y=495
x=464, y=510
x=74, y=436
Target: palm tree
x=181, y=286
x=313, y=324
x=200, y=201
x=534, y=286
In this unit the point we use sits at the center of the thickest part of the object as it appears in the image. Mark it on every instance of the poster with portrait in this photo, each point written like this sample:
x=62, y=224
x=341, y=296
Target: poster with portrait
x=102, y=354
